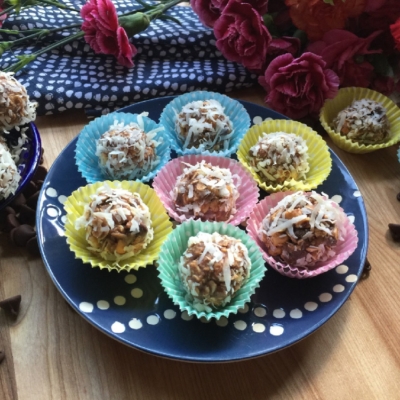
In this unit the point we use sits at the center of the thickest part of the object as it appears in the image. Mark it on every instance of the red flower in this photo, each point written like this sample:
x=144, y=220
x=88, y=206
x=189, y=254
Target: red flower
x=242, y=36
x=395, y=31
x=283, y=45
x=210, y=10
x=103, y=33
x=298, y=87
x=316, y=17
x=343, y=52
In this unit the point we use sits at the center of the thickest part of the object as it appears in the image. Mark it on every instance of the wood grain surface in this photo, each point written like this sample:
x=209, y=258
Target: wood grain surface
x=52, y=353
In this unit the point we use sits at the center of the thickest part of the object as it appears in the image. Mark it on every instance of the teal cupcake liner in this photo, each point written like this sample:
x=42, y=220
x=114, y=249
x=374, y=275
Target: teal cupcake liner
x=233, y=109
x=85, y=152
x=174, y=247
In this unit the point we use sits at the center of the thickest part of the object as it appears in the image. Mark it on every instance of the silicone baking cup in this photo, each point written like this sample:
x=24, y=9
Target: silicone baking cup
x=319, y=157
x=344, y=248
x=85, y=152
x=233, y=109
x=343, y=99
x=174, y=247
x=165, y=182
x=76, y=239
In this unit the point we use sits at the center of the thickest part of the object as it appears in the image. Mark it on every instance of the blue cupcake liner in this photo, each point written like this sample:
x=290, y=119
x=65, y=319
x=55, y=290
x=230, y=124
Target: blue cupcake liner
x=233, y=109
x=85, y=152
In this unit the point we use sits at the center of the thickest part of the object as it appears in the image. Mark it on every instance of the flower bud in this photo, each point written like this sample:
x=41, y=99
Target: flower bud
x=134, y=23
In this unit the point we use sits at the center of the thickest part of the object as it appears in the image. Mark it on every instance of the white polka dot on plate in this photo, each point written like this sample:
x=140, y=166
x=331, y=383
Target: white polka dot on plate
x=135, y=323
x=276, y=330
x=311, y=306
x=130, y=278
x=186, y=317
x=52, y=212
x=244, y=309
x=137, y=293
x=169, y=314
x=351, y=278
x=62, y=199
x=117, y=327
x=86, y=307
x=260, y=312
x=357, y=193
x=258, y=328
x=257, y=120
x=240, y=325
x=296, y=313
x=119, y=300
x=338, y=288
x=223, y=321
x=325, y=297
x=153, y=319
x=51, y=192
x=342, y=269
x=103, y=305
x=278, y=313
x=337, y=198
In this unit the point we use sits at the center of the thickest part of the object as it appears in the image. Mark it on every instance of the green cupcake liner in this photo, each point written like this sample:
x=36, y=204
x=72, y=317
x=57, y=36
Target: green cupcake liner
x=176, y=244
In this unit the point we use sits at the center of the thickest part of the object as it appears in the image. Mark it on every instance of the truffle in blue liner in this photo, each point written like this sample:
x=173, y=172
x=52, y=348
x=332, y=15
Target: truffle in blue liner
x=205, y=123
x=121, y=146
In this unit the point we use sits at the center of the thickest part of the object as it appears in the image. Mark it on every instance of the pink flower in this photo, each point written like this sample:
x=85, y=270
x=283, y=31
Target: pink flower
x=344, y=53
x=103, y=33
x=210, y=10
x=283, y=45
x=395, y=31
x=242, y=36
x=298, y=87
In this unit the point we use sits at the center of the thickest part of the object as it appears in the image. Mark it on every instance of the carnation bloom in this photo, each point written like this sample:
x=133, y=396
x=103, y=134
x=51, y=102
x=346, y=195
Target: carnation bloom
x=316, y=17
x=210, y=10
x=395, y=31
x=103, y=32
x=344, y=53
x=298, y=87
x=242, y=36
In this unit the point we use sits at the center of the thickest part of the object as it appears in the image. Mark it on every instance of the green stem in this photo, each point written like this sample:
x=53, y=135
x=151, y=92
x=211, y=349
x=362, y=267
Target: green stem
x=24, y=60
x=6, y=11
x=160, y=9
x=59, y=5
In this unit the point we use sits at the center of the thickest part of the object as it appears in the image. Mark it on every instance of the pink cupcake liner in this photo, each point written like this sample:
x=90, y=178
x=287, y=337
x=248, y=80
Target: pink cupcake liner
x=165, y=181
x=344, y=249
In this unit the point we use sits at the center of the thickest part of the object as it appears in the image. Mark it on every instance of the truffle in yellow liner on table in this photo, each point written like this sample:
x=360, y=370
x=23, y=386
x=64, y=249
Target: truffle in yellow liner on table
x=116, y=225
x=357, y=116
x=285, y=155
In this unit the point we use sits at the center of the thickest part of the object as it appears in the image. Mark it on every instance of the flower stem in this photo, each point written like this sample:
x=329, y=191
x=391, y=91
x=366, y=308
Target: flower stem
x=25, y=59
x=160, y=9
x=6, y=11
x=59, y=5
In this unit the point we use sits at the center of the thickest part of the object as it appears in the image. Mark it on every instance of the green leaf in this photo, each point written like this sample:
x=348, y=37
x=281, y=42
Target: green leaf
x=169, y=18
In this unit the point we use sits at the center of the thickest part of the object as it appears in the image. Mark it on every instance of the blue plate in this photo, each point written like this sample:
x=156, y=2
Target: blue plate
x=133, y=308
x=28, y=161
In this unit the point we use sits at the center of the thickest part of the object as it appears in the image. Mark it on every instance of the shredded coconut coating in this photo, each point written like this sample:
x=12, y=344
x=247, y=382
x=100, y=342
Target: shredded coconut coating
x=9, y=175
x=207, y=192
x=15, y=107
x=364, y=121
x=302, y=229
x=117, y=223
x=213, y=268
x=127, y=151
x=279, y=157
x=203, y=125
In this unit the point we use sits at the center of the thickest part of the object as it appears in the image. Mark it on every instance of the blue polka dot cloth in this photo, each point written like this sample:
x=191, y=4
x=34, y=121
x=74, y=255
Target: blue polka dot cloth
x=172, y=59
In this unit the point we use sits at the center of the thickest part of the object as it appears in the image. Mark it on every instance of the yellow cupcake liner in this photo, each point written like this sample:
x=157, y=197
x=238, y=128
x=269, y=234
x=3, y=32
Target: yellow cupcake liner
x=319, y=157
x=343, y=99
x=76, y=239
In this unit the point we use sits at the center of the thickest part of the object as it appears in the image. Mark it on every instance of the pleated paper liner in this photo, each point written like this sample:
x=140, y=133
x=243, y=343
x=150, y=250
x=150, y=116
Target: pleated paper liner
x=76, y=239
x=344, y=248
x=233, y=109
x=165, y=182
x=320, y=161
x=345, y=98
x=174, y=247
x=85, y=152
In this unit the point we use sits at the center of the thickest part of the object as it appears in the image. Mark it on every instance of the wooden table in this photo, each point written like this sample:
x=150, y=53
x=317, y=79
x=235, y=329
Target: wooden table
x=52, y=353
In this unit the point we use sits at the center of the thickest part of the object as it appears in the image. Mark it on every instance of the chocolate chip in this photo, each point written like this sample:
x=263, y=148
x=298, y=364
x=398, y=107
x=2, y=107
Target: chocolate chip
x=2, y=356
x=32, y=246
x=367, y=265
x=40, y=173
x=9, y=210
x=11, y=305
x=395, y=232
x=18, y=201
x=398, y=196
x=27, y=215
x=32, y=201
x=41, y=161
x=30, y=189
x=39, y=184
x=11, y=222
x=22, y=234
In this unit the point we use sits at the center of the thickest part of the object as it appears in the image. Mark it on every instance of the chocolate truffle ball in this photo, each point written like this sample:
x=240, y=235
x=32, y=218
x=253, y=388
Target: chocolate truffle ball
x=127, y=151
x=364, y=122
x=279, y=157
x=15, y=107
x=205, y=191
x=302, y=229
x=203, y=125
x=213, y=268
x=117, y=223
x=9, y=175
